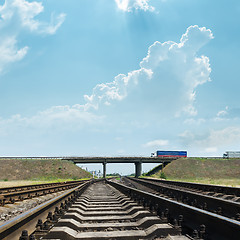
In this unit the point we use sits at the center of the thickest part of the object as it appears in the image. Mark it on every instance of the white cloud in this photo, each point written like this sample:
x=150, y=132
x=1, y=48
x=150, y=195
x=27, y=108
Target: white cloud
x=167, y=79
x=52, y=27
x=129, y=5
x=116, y=90
x=15, y=17
x=9, y=52
x=223, y=112
x=228, y=114
x=156, y=143
x=164, y=85
x=56, y=117
x=179, y=64
x=23, y=13
x=65, y=114
x=212, y=139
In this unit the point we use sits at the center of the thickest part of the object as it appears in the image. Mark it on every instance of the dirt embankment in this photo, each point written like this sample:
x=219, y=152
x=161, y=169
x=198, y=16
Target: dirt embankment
x=195, y=168
x=40, y=170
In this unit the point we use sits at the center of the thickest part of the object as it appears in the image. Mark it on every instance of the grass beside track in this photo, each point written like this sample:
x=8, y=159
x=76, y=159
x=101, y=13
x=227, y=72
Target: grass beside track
x=4, y=184
x=40, y=170
x=202, y=170
x=221, y=182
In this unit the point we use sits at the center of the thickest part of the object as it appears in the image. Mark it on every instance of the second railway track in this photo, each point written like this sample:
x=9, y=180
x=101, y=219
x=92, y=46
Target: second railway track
x=211, y=201
x=13, y=194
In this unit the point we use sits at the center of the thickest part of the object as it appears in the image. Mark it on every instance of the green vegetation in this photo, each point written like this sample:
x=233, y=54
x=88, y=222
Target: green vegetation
x=41, y=170
x=208, y=171
x=132, y=175
x=154, y=170
x=113, y=175
x=162, y=175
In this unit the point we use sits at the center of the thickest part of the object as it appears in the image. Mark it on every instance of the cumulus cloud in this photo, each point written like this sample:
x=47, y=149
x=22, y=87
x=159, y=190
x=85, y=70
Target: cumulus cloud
x=167, y=79
x=17, y=16
x=129, y=5
x=116, y=90
x=156, y=143
x=178, y=63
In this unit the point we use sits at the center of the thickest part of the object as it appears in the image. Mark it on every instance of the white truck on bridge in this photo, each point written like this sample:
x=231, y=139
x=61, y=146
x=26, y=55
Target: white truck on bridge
x=231, y=155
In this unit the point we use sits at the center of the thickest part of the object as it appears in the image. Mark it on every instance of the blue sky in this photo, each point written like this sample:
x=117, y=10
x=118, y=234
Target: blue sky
x=117, y=78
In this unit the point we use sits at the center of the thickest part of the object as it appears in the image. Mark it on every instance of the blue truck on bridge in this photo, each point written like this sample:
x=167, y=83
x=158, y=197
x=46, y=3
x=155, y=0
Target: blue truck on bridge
x=178, y=154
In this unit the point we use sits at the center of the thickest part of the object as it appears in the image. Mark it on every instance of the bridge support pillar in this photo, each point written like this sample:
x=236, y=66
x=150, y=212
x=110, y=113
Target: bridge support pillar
x=104, y=169
x=138, y=169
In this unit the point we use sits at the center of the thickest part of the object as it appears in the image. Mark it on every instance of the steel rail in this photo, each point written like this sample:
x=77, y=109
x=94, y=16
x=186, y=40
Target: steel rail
x=212, y=226
x=28, y=220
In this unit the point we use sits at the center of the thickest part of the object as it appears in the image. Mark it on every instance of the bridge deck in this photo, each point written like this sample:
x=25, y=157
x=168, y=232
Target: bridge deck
x=99, y=159
x=119, y=159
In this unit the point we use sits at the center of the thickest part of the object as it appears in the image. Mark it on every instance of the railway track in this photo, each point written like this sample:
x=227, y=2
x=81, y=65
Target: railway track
x=225, y=205
x=107, y=209
x=220, y=191
x=13, y=194
x=26, y=222
x=33, y=186
x=213, y=204
x=102, y=212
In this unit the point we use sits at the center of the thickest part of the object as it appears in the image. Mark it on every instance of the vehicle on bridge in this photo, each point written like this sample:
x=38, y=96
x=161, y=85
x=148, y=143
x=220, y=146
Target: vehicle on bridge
x=231, y=155
x=163, y=154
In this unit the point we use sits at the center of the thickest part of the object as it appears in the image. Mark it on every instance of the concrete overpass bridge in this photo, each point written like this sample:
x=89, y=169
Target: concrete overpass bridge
x=136, y=160
x=104, y=160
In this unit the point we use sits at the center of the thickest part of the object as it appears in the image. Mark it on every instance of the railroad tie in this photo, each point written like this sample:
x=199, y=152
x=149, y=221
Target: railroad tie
x=102, y=212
